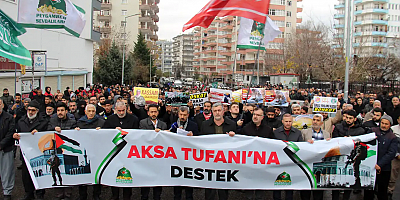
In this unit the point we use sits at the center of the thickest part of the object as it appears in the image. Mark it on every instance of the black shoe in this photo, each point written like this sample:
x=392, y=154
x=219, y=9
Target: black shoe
x=28, y=197
x=390, y=196
x=7, y=197
x=54, y=184
x=60, y=182
x=356, y=191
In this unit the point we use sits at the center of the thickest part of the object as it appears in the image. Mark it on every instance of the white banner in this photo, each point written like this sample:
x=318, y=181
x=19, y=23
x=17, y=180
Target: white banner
x=52, y=14
x=220, y=95
x=138, y=158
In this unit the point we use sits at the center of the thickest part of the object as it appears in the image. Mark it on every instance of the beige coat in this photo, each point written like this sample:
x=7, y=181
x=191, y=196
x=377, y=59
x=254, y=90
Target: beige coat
x=328, y=124
x=307, y=134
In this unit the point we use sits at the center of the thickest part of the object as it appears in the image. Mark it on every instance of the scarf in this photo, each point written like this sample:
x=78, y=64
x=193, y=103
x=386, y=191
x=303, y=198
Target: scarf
x=207, y=116
x=184, y=125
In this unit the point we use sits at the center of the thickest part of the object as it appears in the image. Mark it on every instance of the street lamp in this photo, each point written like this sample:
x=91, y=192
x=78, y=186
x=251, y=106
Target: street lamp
x=123, y=48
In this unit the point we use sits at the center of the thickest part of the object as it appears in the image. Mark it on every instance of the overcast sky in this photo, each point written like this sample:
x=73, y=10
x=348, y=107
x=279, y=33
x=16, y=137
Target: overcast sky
x=175, y=13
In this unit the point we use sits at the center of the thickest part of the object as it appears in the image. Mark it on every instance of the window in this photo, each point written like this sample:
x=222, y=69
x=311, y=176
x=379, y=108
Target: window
x=288, y=24
x=124, y=12
x=282, y=2
x=124, y=1
x=271, y=12
x=123, y=23
x=288, y=13
x=289, y=3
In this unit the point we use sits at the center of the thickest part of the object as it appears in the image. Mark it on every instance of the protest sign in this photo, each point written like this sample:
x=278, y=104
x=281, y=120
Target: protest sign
x=256, y=95
x=325, y=104
x=144, y=96
x=302, y=121
x=177, y=98
x=198, y=99
x=219, y=95
x=144, y=158
x=276, y=98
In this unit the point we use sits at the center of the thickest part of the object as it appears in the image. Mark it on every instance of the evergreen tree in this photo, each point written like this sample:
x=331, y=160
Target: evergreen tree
x=109, y=66
x=141, y=54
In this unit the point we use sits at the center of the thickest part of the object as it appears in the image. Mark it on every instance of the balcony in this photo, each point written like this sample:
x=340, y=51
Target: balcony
x=105, y=29
x=145, y=30
x=144, y=7
x=155, y=8
x=155, y=27
x=339, y=6
x=106, y=6
x=338, y=36
x=105, y=18
x=375, y=22
x=371, y=10
x=371, y=44
x=369, y=33
x=154, y=37
x=338, y=16
x=156, y=18
x=338, y=25
x=145, y=19
x=365, y=1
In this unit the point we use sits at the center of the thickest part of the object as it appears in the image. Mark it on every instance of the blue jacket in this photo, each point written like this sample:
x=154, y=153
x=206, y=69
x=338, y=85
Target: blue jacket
x=387, y=147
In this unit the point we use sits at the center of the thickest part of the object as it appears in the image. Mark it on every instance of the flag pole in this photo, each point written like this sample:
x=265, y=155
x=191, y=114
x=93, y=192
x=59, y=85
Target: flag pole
x=235, y=62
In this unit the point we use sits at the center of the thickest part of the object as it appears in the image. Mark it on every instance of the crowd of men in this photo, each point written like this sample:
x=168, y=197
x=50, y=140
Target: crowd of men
x=114, y=107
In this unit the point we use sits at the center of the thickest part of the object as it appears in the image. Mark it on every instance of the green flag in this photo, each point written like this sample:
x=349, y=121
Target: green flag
x=214, y=85
x=10, y=46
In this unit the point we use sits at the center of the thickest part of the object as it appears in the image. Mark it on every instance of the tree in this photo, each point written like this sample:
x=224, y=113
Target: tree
x=110, y=60
x=141, y=55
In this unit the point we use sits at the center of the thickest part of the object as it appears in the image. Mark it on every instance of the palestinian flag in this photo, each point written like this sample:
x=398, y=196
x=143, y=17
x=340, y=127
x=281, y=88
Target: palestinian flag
x=67, y=143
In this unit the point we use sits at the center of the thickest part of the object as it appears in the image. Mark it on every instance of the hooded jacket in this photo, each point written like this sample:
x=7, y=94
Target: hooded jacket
x=7, y=128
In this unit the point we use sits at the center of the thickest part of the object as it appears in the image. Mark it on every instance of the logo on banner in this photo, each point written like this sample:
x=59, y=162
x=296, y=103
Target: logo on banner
x=52, y=6
x=124, y=176
x=283, y=179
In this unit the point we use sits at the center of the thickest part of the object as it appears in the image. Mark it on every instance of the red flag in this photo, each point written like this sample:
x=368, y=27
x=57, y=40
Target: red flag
x=251, y=9
x=59, y=141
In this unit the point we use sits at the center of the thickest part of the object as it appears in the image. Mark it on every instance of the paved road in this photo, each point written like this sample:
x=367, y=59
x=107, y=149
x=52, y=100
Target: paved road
x=167, y=192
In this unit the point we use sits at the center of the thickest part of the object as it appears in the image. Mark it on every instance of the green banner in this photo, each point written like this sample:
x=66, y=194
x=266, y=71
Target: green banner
x=10, y=46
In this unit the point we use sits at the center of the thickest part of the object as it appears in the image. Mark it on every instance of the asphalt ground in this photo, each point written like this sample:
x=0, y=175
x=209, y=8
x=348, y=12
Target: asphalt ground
x=167, y=193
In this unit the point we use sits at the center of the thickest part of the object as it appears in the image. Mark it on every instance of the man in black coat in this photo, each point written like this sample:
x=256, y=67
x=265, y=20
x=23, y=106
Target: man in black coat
x=257, y=128
x=191, y=127
x=288, y=133
x=90, y=121
x=31, y=122
x=378, y=113
x=121, y=120
x=387, y=149
x=393, y=110
x=271, y=119
x=207, y=114
x=152, y=123
x=7, y=170
x=349, y=127
x=218, y=124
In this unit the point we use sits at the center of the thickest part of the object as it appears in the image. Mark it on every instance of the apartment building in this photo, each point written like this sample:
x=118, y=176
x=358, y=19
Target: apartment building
x=183, y=49
x=215, y=46
x=375, y=26
x=125, y=19
x=165, y=59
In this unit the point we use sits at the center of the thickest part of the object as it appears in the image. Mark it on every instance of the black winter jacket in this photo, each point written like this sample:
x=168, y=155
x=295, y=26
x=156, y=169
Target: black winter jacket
x=394, y=112
x=208, y=127
x=64, y=124
x=40, y=123
x=263, y=130
x=97, y=121
x=342, y=129
x=7, y=129
x=387, y=147
x=128, y=122
x=273, y=123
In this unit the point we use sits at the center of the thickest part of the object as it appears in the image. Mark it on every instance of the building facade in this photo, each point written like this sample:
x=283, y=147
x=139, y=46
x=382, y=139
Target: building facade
x=215, y=46
x=375, y=27
x=183, y=55
x=165, y=59
x=125, y=19
x=67, y=60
